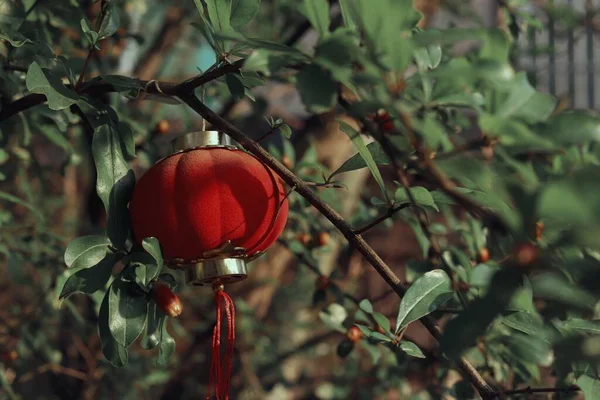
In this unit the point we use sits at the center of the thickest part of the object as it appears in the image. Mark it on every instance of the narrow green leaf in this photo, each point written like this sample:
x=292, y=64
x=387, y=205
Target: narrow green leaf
x=365, y=153
x=42, y=81
x=420, y=194
x=553, y=287
x=167, y=345
x=357, y=161
x=90, y=34
x=242, y=12
x=317, y=12
x=14, y=199
x=86, y=251
x=526, y=322
x=219, y=12
x=115, y=181
x=382, y=321
x=235, y=85
x=152, y=337
x=115, y=353
x=16, y=39
x=411, y=349
x=111, y=21
x=583, y=326
x=423, y=297
x=347, y=14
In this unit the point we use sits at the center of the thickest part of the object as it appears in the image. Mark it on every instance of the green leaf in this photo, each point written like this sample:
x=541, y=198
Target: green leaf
x=114, y=352
x=411, y=349
x=526, y=322
x=167, y=345
x=14, y=199
x=152, y=337
x=317, y=12
x=219, y=13
x=382, y=321
x=317, y=89
x=86, y=251
x=357, y=161
x=42, y=81
x=152, y=246
x=423, y=297
x=129, y=87
x=379, y=338
x=286, y=131
x=90, y=34
x=334, y=317
x=242, y=12
x=531, y=349
x=420, y=194
x=115, y=181
x=590, y=386
x=127, y=312
x=89, y=280
x=365, y=330
x=572, y=127
x=583, y=326
x=267, y=62
x=16, y=39
x=347, y=14
x=366, y=306
x=364, y=153
x=111, y=21
x=235, y=86
x=552, y=286
x=461, y=332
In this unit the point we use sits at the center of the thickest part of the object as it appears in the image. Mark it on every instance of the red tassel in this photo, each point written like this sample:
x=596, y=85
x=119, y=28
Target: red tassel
x=220, y=370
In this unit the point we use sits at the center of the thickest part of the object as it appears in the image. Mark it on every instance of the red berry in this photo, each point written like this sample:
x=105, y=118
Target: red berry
x=354, y=334
x=166, y=300
x=322, y=282
x=525, y=254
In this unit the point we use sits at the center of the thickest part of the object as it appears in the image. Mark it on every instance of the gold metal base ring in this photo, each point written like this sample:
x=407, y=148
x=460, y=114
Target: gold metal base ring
x=224, y=270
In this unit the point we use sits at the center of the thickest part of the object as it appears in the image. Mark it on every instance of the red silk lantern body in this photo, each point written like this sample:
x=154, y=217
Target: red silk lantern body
x=196, y=200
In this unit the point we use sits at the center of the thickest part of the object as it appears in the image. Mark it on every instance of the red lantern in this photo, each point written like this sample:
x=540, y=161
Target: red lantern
x=212, y=207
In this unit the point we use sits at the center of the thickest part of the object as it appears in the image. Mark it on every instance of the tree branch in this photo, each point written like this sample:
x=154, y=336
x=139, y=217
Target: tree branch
x=356, y=241
x=169, y=89
x=530, y=390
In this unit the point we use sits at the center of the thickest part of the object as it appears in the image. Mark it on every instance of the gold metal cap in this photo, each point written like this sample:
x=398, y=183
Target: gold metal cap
x=200, y=139
x=224, y=270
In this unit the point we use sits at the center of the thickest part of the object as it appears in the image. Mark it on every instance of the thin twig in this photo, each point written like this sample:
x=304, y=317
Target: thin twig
x=390, y=212
x=86, y=63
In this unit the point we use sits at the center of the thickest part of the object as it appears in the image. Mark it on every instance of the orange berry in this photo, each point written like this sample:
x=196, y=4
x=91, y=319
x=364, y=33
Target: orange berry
x=539, y=230
x=484, y=255
x=285, y=160
x=354, y=334
x=162, y=127
x=304, y=238
x=166, y=300
x=487, y=152
x=323, y=239
x=9, y=356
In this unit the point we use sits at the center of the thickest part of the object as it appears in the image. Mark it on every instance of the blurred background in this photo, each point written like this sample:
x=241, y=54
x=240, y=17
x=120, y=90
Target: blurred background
x=285, y=349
